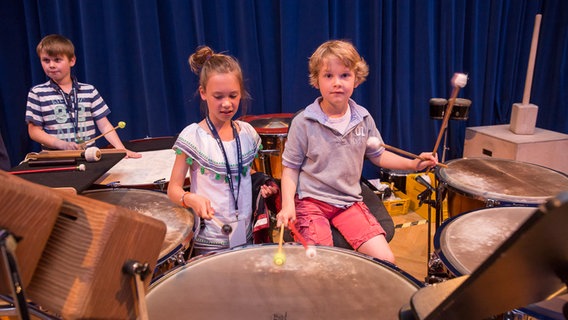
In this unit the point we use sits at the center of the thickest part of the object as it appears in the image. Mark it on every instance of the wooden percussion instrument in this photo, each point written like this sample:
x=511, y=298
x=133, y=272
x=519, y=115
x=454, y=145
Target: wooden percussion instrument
x=80, y=274
x=29, y=212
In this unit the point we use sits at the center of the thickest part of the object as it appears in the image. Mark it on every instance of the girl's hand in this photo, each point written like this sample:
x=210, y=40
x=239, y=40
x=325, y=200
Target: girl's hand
x=269, y=189
x=201, y=206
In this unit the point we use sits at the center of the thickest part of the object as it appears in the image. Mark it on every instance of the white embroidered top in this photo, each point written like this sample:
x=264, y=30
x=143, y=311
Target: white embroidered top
x=208, y=174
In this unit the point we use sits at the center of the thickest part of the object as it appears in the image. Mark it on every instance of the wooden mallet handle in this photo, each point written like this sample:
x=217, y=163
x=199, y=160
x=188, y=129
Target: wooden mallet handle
x=409, y=154
x=121, y=125
x=459, y=80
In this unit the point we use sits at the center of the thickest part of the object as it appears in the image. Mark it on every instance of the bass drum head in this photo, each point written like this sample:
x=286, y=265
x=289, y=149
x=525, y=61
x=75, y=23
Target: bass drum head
x=464, y=242
x=245, y=283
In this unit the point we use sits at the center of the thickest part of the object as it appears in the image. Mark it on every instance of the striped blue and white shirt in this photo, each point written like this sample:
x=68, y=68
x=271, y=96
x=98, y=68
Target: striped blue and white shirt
x=69, y=117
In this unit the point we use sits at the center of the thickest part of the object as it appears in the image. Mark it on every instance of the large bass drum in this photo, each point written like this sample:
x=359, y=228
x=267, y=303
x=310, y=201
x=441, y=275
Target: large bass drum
x=245, y=283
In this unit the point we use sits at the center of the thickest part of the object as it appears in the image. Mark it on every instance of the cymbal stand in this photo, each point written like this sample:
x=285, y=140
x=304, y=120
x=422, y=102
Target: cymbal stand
x=139, y=271
x=20, y=306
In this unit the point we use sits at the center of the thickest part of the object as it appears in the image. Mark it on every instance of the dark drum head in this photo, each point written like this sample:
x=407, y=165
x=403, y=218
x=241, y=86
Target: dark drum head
x=245, y=283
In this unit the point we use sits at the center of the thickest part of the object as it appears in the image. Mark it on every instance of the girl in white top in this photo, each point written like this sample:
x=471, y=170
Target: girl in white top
x=218, y=152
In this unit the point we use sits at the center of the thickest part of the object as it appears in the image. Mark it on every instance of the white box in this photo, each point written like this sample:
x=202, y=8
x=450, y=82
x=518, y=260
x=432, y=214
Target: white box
x=544, y=147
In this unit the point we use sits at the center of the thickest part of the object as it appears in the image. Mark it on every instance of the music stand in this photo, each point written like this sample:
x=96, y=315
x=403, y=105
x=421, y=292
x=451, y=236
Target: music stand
x=530, y=266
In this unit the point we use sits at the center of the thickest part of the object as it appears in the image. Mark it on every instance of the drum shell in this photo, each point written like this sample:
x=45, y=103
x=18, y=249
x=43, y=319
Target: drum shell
x=474, y=183
x=269, y=159
x=460, y=109
x=244, y=283
x=397, y=177
x=273, y=130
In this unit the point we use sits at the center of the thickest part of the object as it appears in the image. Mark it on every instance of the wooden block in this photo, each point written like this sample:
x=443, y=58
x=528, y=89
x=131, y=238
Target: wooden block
x=523, y=118
x=29, y=212
x=80, y=273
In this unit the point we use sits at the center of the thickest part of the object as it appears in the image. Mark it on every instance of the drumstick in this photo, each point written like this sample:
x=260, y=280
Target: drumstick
x=225, y=228
x=310, y=251
x=80, y=167
x=121, y=125
x=374, y=143
x=459, y=80
x=408, y=154
x=279, y=257
x=90, y=154
x=300, y=237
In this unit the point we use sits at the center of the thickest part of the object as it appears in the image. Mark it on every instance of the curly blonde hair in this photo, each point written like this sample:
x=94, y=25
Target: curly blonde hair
x=343, y=50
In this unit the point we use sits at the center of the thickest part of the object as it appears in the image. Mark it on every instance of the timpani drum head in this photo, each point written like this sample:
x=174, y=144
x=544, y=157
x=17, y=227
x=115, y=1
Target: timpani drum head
x=269, y=124
x=466, y=241
x=245, y=283
x=501, y=181
x=179, y=221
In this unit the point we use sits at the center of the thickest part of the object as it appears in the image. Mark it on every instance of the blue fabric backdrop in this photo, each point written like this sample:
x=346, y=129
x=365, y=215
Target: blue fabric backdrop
x=135, y=53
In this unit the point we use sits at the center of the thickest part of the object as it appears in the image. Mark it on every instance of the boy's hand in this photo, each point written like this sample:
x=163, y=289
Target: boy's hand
x=429, y=162
x=132, y=154
x=64, y=145
x=285, y=216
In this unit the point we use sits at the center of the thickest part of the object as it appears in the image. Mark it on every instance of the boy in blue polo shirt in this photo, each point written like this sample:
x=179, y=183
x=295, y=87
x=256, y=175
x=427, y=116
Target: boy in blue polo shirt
x=324, y=153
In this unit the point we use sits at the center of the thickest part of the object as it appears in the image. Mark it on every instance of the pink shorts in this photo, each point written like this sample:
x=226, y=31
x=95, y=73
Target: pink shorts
x=356, y=223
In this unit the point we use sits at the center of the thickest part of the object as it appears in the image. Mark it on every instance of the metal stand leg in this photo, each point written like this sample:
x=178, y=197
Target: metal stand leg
x=140, y=272
x=8, y=246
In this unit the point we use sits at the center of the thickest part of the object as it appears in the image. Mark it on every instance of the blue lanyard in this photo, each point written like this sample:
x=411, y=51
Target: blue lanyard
x=228, y=167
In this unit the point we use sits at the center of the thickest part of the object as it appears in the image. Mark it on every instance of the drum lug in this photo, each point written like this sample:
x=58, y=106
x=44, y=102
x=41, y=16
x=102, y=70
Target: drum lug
x=114, y=184
x=436, y=270
x=179, y=259
x=161, y=183
x=490, y=203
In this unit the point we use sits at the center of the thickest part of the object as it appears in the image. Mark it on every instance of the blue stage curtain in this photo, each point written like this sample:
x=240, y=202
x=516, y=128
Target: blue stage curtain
x=135, y=53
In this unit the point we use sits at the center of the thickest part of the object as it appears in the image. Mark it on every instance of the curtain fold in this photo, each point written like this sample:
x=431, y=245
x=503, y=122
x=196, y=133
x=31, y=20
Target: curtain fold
x=135, y=53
